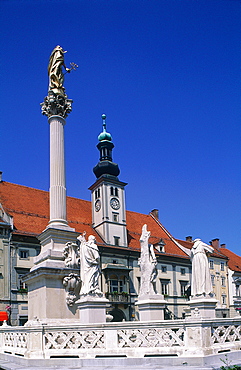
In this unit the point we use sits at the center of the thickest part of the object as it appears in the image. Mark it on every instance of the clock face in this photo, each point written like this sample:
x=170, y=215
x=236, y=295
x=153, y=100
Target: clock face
x=115, y=204
x=97, y=205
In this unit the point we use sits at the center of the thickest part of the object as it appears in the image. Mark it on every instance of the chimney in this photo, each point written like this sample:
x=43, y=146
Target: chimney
x=215, y=243
x=189, y=239
x=155, y=213
x=223, y=245
x=1, y=174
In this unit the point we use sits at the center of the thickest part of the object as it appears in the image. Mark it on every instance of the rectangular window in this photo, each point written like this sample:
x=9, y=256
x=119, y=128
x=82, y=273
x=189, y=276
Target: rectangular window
x=21, y=284
x=237, y=290
x=223, y=299
x=164, y=269
x=212, y=279
x=211, y=264
x=222, y=266
x=183, y=271
x=164, y=287
x=116, y=286
x=183, y=286
x=115, y=217
x=116, y=240
x=23, y=253
x=223, y=280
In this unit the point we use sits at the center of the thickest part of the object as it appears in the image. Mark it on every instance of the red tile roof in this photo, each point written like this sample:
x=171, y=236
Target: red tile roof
x=234, y=262
x=217, y=253
x=30, y=210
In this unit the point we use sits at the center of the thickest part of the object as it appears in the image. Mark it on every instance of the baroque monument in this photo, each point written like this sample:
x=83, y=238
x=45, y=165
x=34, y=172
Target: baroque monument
x=58, y=262
x=67, y=323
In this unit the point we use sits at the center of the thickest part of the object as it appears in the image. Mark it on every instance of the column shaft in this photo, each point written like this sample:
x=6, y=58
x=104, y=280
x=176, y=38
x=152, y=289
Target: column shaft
x=57, y=189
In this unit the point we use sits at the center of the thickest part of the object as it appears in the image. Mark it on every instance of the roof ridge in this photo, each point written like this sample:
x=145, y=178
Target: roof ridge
x=170, y=235
x=24, y=186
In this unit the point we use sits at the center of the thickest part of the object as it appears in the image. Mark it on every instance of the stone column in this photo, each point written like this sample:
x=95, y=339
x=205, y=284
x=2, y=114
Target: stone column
x=57, y=190
x=47, y=296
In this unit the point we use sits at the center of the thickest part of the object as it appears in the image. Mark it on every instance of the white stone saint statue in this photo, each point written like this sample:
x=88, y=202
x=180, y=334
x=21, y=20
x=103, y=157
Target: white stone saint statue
x=201, y=285
x=89, y=266
x=147, y=263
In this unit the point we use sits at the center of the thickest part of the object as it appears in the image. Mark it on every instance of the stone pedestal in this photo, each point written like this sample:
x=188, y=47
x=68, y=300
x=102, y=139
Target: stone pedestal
x=47, y=296
x=92, y=309
x=203, y=307
x=151, y=307
x=46, y=292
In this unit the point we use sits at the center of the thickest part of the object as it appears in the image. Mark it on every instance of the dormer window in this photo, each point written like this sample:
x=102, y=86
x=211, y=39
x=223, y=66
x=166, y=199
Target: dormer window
x=23, y=254
x=160, y=247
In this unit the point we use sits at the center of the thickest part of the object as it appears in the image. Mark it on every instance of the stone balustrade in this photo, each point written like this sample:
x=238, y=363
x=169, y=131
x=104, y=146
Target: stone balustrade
x=178, y=338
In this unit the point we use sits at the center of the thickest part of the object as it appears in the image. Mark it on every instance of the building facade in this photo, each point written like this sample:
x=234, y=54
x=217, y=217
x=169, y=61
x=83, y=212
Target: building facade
x=25, y=214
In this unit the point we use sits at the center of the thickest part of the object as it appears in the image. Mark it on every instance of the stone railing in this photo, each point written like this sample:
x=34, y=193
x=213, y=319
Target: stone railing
x=182, y=338
x=117, y=297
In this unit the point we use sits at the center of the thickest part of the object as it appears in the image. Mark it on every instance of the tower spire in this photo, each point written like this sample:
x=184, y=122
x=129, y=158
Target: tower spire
x=105, y=167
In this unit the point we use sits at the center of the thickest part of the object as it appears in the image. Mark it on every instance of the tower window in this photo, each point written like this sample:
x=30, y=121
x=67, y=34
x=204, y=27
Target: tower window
x=111, y=190
x=97, y=193
x=115, y=217
x=116, y=240
x=116, y=192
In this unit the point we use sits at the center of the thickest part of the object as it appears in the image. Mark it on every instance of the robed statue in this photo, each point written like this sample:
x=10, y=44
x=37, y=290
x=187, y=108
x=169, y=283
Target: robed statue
x=57, y=102
x=55, y=71
x=89, y=266
x=147, y=263
x=201, y=285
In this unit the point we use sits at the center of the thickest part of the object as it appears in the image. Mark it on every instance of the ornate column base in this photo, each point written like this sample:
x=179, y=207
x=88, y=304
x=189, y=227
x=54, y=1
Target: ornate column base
x=151, y=307
x=47, y=296
x=203, y=307
x=92, y=309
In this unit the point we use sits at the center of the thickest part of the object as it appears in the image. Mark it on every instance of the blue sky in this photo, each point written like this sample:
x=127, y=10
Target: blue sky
x=167, y=75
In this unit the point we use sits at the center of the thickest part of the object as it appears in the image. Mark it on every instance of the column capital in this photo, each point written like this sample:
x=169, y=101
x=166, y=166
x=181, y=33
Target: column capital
x=56, y=105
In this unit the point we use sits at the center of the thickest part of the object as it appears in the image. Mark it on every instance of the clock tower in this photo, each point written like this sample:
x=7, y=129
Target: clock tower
x=108, y=195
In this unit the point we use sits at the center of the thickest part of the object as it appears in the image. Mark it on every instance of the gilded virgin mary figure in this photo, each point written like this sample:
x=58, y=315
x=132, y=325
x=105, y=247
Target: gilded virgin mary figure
x=55, y=71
